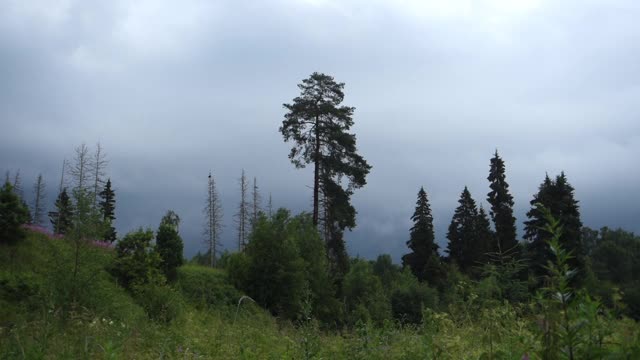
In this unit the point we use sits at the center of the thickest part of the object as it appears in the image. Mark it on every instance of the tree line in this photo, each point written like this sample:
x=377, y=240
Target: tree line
x=297, y=264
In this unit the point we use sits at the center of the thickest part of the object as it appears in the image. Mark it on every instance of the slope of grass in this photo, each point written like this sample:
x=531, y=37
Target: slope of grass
x=106, y=322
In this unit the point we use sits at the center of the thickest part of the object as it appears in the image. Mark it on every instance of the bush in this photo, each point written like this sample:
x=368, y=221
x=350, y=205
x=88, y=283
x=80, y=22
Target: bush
x=169, y=248
x=160, y=302
x=410, y=297
x=136, y=263
x=205, y=286
x=237, y=266
x=364, y=296
x=276, y=277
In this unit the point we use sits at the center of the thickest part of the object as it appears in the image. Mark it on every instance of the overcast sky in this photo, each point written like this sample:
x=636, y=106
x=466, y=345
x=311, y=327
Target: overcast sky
x=173, y=89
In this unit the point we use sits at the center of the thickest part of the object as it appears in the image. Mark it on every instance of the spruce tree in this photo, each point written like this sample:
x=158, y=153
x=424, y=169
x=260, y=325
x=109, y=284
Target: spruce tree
x=62, y=218
x=13, y=214
x=486, y=242
x=462, y=233
x=501, y=206
x=424, y=250
x=558, y=197
x=107, y=208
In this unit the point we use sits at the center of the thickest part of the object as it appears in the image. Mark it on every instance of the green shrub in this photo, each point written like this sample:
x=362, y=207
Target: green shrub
x=169, y=247
x=136, y=263
x=205, y=286
x=276, y=274
x=237, y=267
x=161, y=303
x=364, y=296
x=410, y=297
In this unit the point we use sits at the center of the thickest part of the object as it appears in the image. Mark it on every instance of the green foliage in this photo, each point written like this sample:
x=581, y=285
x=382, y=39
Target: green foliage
x=469, y=235
x=169, y=247
x=109, y=323
x=423, y=260
x=237, y=266
x=386, y=271
x=62, y=218
x=365, y=299
x=318, y=125
x=136, y=263
x=107, y=208
x=501, y=207
x=159, y=301
x=276, y=273
x=206, y=287
x=410, y=297
x=574, y=326
x=557, y=196
x=12, y=215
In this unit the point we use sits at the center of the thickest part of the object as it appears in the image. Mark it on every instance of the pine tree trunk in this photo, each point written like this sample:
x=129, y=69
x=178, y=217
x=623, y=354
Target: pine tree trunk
x=316, y=174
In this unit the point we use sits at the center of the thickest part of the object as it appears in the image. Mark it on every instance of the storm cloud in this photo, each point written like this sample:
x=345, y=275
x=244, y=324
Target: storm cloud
x=173, y=90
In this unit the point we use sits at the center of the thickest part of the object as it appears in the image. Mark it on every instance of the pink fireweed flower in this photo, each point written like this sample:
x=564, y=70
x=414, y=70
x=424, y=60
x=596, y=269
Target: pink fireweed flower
x=102, y=244
x=37, y=228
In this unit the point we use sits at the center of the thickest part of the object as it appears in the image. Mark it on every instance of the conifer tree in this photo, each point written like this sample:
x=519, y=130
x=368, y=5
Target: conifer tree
x=39, y=195
x=12, y=215
x=501, y=206
x=62, y=218
x=213, y=226
x=462, y=232
x=107, y=208
x=318, y=125
x=424, y=250
x=486, y=242
x=558, y=197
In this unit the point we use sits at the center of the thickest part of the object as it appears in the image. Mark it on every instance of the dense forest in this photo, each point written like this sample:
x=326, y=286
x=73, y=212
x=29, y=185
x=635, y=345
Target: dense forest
x=71, y=286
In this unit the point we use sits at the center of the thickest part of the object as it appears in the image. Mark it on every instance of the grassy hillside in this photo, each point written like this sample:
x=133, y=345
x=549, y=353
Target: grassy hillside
x=51, y=309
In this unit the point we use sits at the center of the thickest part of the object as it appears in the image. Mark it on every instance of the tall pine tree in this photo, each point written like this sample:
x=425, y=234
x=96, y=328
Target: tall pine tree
x=463, y=243
x=423, y=259
x=557, y=196
x=107, y=208
x=486, y=242
x=501, y=206
x=319, y=126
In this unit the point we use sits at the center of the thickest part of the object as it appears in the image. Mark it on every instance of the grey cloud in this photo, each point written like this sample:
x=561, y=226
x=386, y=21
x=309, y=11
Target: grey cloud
x=175, y=90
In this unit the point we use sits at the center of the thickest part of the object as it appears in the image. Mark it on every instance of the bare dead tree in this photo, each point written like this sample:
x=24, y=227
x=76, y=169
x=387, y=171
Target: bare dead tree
x=99, y=164
x=255, y=206
x=64, y=166
x=242, y=216
x=17, y=185
x=39, y=194
x=213, y=225
x=79, y=169
x=270, y=206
